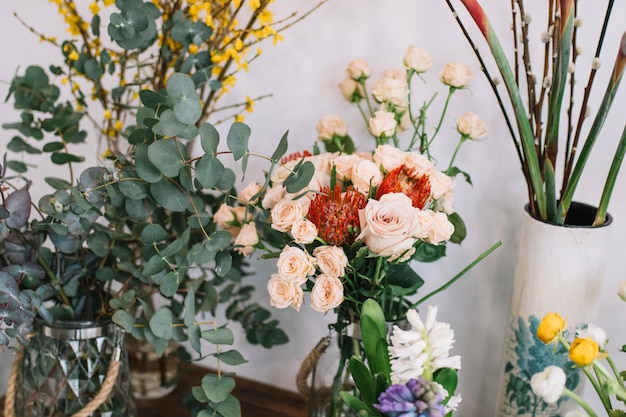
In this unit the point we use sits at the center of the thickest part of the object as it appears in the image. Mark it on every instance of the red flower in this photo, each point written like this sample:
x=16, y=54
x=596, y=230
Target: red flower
x=295, y=156
x=336, y=215
x=401, y=180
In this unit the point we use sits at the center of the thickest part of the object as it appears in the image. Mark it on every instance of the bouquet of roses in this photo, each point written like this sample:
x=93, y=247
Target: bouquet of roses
x=347, y=225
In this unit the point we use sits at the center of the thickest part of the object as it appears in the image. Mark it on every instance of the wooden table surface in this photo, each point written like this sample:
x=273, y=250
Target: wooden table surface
x=257, y=399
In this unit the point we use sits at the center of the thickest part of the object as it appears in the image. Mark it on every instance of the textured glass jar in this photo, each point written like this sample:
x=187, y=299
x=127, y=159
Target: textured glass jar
x=64, y=367
x=152, y=376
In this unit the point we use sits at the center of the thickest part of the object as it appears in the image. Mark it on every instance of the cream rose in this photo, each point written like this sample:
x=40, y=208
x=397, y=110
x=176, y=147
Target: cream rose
x=455, y=74
x=295, y=265
x=442, y=228
x=391, y=90
x=358, y=69
x=351, y=90
x=281, y=172
x=329, y=126
x=388, y=157
x=272, y=196
x=440, y=184
x=417, y=59
x=388, y=225
x=471, y=126
x=365, y=174
x=383, y=124
x=395, y=74
x=425, y=221
x=331, y=260
x=303, y=231
x=283, y=293
x=327, y=293
x=285, y=213
x=248, y=192
x=344, y=164
x=247, y=239
x=418, y=164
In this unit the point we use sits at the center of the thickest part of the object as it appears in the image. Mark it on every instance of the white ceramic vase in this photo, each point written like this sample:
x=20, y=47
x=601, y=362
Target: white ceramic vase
x=559, y=269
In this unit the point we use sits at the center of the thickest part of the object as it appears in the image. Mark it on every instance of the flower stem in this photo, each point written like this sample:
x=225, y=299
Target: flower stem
x=443, y=114
x=456, y=151
x=578, y=399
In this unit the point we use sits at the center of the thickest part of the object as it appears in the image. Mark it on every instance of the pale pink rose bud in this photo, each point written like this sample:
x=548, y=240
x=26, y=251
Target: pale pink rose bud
x=281, y=172
x=295, y=265
x=283, y=293
x=472, y=126
x=327, y=293
x=388, y=157
x=395, y=74
x=351, y=90
x=303, y=232
x=331, y=260
x=272, y=196
x=417, y=59
x=455, y=74
x=365, y=174
x=329, y=126
x=418, y=164
x=246, y=240
x=392, y=90
x=248, y=192
x=440, y=184
x=383, y=124
x=358, y=69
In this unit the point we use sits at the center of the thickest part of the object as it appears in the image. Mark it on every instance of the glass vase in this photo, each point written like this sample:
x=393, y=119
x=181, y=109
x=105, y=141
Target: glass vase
x=152, y=376
x=331, y=374
x=64, y=367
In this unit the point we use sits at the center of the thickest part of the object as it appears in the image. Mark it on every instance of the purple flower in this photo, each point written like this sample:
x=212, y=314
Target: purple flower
x=418, y=398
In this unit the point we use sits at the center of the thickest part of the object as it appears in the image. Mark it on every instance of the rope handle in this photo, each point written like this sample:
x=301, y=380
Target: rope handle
x=307, y=366
x=105, y=389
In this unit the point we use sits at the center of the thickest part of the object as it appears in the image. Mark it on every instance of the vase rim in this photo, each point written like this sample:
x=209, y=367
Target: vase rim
x=74, y=330
x=577, y=206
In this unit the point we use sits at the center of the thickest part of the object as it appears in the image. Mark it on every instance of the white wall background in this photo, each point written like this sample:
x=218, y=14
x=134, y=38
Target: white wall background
x=302, y=74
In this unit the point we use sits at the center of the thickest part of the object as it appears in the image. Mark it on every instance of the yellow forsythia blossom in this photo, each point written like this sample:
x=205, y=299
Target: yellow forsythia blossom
x=94, y=8
x=239, y=118
x=107, y=114
x=249, y=105
x=550, y=327
x=109, y=2
x=583, y=351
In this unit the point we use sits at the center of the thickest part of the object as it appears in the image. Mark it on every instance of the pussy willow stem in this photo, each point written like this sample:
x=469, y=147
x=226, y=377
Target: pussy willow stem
x=459, y=275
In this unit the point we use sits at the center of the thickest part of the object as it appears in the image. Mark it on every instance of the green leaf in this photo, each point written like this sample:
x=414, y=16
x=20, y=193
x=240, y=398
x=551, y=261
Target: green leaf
x=354, y=403
x=460, y=231
x=170, y=283
x=231, y=357
x=65, y=158
x=217, y=388
x=209, y=170
x=229, y=407
x=448, y=378
x=425, y=252
x=169, y=195
x=189, y=318
x=57, y=183
x=161, y=323
x=168, y=155
x=153, y=233
x=151, y=99
x=124, y=319
x=223, y=263
x=218, y=240
x=237, y=140
x=300, y=177
x=363, y=380
x=219, y=336
x=209, y=138
x=145, y=169
x=281, y=149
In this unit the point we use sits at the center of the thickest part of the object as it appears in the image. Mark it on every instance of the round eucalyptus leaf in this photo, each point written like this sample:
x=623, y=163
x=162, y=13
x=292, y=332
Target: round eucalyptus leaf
x=209, y=170
x=145, y=169
x=18, y=205
x=209, y=138
x=227, y=180
x=161, y=323
x=153, y=233
x=169, y=195
x=168, y=156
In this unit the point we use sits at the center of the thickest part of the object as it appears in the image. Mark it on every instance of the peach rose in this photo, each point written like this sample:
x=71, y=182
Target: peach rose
x=425, y=220
x=351, y=90
x=281, y=172
x=303, y=231
x=365, y=174
x=455, y=74
x=383, y=124
x=248, y=192
x=329, y=126
x=227, y=219
x=440, y=184
x=295, y=265
x=358, y=69
x=391, y=90
x=388, y=225
x=418, y=164
x=331, y=260
x=327, y=293
x=285, y=213
x=472, y=126
x=283, y=293
x=442, y=228
x=389, y=157
x=417, y=59
x=272, y=196
x=344, y=164
x=247, y=239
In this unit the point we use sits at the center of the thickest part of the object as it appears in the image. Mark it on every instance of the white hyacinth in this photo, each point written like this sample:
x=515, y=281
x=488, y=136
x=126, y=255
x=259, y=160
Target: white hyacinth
x=421, y=350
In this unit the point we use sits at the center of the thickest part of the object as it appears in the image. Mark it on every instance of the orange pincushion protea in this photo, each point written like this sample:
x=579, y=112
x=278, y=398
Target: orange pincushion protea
x=401, y=180
x=295, y=156
x=336, y=215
